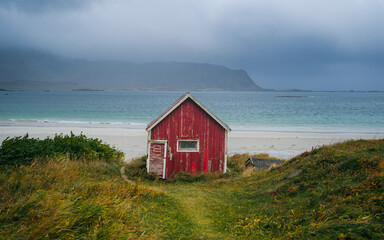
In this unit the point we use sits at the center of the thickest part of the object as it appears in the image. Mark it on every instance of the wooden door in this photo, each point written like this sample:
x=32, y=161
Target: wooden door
x=157, y=158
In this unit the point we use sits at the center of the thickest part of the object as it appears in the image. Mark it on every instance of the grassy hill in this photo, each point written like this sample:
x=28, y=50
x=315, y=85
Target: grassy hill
x=332, y=192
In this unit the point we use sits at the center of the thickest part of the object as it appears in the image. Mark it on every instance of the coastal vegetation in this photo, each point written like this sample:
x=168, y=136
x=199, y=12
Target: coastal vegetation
x=23, y=150
x=331, y=192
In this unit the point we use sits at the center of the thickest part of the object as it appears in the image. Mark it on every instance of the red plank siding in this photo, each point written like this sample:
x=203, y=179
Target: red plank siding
x=190, y=121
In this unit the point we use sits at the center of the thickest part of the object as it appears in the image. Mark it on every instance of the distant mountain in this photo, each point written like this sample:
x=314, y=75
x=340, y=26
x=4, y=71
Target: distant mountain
x=40, y=70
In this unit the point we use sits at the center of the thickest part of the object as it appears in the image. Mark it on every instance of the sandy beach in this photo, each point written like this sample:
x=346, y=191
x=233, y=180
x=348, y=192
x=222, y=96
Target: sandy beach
x=133, y=141
x=287, y=144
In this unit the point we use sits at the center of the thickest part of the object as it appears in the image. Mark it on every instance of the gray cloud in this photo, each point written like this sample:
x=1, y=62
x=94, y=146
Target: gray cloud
x=283, y=44
x=39, y=6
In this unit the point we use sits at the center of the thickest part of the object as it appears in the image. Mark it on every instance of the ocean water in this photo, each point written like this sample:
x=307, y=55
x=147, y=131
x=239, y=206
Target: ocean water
x=344, y=112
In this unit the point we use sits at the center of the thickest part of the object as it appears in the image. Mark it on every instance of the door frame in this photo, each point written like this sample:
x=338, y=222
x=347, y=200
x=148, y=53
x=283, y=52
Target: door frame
x=165, y=142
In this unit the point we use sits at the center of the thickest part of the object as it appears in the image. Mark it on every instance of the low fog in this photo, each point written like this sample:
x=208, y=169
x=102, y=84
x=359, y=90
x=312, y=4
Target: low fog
x=315, y=45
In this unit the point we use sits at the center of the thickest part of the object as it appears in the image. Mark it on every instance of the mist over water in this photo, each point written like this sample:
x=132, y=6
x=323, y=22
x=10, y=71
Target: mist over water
x=361, y=112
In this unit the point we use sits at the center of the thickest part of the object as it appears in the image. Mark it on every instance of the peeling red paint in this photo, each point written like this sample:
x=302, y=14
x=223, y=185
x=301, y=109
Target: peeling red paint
x=189, y=121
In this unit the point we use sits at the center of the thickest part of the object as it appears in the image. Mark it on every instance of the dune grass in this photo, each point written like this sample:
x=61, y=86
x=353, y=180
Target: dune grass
x=68, y=199
x=334, y=192
x=68, y=187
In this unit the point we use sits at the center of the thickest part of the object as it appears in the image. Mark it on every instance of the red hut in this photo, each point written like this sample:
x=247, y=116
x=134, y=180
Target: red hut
x=187, y=137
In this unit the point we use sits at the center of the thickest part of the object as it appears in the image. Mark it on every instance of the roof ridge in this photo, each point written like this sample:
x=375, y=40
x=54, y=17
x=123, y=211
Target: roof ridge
x=178, y=102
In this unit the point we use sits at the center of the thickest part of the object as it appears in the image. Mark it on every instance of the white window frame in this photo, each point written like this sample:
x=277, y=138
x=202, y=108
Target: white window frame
x=188, y=149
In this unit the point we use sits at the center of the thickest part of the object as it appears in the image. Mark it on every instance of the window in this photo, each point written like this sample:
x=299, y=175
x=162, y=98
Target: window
x=187, y=145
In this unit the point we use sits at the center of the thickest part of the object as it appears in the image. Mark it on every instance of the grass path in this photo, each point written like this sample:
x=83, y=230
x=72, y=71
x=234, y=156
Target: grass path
x=122, y=172
x=196, y=203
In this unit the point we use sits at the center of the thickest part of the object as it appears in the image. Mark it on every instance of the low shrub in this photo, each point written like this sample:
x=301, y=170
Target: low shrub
x=137, y=168
x=23, y=150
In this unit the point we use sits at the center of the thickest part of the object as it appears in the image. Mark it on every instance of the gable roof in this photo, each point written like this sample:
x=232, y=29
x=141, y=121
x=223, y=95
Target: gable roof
x=178, y=103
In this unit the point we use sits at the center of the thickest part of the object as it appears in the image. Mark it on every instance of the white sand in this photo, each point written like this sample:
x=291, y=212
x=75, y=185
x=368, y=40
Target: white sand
x=133, y=142
x=287, y=145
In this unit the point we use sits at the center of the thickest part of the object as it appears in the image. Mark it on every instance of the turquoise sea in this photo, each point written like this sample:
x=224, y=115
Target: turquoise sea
x=346, y=112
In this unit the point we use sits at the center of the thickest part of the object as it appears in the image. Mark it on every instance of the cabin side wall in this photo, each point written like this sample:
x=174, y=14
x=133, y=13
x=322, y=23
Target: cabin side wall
x=189, y=121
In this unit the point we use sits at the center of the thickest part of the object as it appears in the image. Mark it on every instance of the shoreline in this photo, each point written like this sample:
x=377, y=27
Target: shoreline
x=238, y=128
x=133, y=141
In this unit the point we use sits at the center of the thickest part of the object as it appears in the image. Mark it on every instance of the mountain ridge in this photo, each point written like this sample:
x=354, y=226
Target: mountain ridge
x=23, y=68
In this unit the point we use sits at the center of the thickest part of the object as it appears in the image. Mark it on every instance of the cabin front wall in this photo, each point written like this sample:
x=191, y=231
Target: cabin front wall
x=189, y=122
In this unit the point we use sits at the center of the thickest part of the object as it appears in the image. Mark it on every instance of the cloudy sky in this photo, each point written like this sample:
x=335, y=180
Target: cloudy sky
x=307, y=44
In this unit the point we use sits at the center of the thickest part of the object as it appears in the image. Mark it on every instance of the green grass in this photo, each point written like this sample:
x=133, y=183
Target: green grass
x=67, y=199
x=334, y=192
x=68, y=187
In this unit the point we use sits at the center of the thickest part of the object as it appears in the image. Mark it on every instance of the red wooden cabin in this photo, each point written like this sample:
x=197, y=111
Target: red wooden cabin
x=187, y=137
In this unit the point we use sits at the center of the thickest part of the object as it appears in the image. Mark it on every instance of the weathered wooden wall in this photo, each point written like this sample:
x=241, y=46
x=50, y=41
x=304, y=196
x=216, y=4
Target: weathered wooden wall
x=189, y=121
